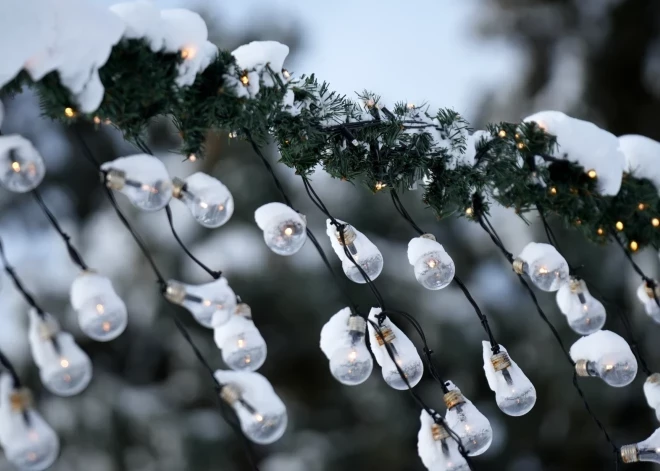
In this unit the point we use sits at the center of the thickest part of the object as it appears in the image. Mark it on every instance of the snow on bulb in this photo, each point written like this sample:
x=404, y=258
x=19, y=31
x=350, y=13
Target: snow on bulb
x=352, y=364
x=545, y=266
x=607, y=356
x=64, y=368
x=471, y=426
x=208, y=200
x=142, y=178
x=648, y=450
x=434, y=268
x=436, y=448
x=21, y=167
x=285, y=230
x=261, y=412
x=362, y=250
x=211, y=304
x=29, y=443
x=514, y=392
x=649, y=295
x=585, y=314
x=101, y=313
x=391, y=340
x=652, y=393
x=243, y=348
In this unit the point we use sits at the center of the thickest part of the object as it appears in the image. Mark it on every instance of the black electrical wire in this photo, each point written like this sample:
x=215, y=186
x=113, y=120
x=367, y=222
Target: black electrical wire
x=7, y=365
x=17, y=282
x=650, y=282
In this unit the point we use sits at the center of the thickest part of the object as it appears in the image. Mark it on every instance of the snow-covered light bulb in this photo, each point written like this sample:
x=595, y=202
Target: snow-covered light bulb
x=434, y=268
x=392, y=340
x=585, y=314
x=436, y=448
x=648, y=450
x=243, y=347
x=64, y=368
x=514, y=392
x=607, y=356
x=652, y=393
x=101, y=313
x=362, y=250
x=211, y=304
x=261, y=412
x=545, y=266
x=209, y=201
x=471, y=426
x=21, y=167
x=648, y=294
x=142, y=178
x=28, y=441
x=352, y=364
x=285, y=230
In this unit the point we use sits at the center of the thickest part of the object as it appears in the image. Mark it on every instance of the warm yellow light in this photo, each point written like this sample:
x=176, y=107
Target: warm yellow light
x=69, y=112
x=192, y=157
x=203, y=204
x=411, y=106
x=469, y=211
x=188, y=53
x=100, y=308
x=286, y=73
x=553, y=190
x=634, y=246
x=655, y=222
x=502, y=133
x=543, y=271
x=641, y=206
x=521, y=145
x=288, y=231
x=619, y=226
x=16, y=167
x=221, y=207
x=592, y=173
x=600, y=231
x=432, y=263
x=516, y=135
x=380, y=186
x=241, y=343
x=64, y=363
x=352, y=356
x=258, y=417
x=245, y=80
x=206, y=302
x=106, y=326
x=97, y=120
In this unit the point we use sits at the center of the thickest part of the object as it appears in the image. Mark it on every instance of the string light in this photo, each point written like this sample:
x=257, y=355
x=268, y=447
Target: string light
x=284, y=229
x=245, y=80
x=286, y=74
x=502, y=133
x=69, y=113
x=619, y=226
x=655, y=222
x=600, y=231
x=592, y=174
x=192, y=158
x=553, y=190
x=207, y=199
x=634, y=246
x=380, y=186
x=97, y=120
x=188, y=53
x=411, y=106
x=641, y=206
x=469, y=211
x=521, y=145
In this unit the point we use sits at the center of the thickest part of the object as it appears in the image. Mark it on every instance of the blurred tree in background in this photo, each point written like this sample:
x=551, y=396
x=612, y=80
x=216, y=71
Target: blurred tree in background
x=152, y=407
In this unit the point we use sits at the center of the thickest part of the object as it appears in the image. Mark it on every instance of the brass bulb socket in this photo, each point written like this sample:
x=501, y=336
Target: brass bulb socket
x=385, y=336
x=575, y=285
x=652, y=292
x=428, y=236
x=519, y=266
x=20, y=400
x=115, y=179
x=349, y=235
x=653, y=379
x=629, y=454
x=244, y=311
x=453, y=398
x=175, y=292
x=581, y=368
x=500, y=361
x=439, y=432
x=178, y=187
x=230, y=393
x=357, y=324
x=48, y=329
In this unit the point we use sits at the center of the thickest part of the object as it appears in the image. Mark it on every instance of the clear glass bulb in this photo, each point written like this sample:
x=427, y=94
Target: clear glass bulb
x=31, y=444
x=616, y=370
x=450, y=459
x=647, y=450
x=211, y=304
x=471, y=426
x=142, y=178
x=102, y=314
x=261, y=427
x=548, y=276
x=352, y=365
x=209, y=201
x=22, y=166
x=412, y=366
x=285, y=236
x=514, y=392
x=245, y=351
x=585, y=314
x=434, y=270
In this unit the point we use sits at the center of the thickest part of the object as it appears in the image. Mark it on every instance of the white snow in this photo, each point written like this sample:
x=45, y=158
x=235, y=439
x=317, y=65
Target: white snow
x=403, y=344
x=566, y=298
x=650, y=305
x=471, y=147
x=426, y=446
x=258, y=54
x=235, y=326
x=255, y=389
x=652, y=392
x=334, y=334
x=141, y=20
x=489, y=369
x=642, y=157
x=535, y=251
x=420, y=246
x=24, y=148
x=593, y=347
x=587, y=145
x=140, y=167
x=2, y=112
x=365, y=247
x=270, y=212
x=88, y=285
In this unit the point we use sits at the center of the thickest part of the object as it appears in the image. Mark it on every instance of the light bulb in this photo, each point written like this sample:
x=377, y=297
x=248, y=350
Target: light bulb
x=28, y=441
x=437, y=448
x=648, y=295
x=434, y=268
x=101, y=313
x=209, y=201
x=545, y=266
x=652, y=393
x=648, y=450
x=64, y=368
x=243, y=347
x=21, y=167
x=391, y=340
x=607, y=356
x=585, y=314
x=211, y=304
x=352, y=364
x=285, y=230
x=261, y=412
x=142, y=178
x=471, y=426
x=514, y=392
x=364, y=253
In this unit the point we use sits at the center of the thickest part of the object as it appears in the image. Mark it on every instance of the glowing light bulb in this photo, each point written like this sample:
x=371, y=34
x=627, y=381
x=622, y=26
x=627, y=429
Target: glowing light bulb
x=64, y=368
x=514, y=392
x=585, y=313
x=647, y=450
x=352, y=364
x=261, y=412
x=209, y=201
x=437, y=449
x=28, y=441
x=284, y=229
x=211, y=304
x=142, y=178
x=101, y=313
x=471, y=426
x=21, y=167
x=648, y=295
x=607, y=356
x=433, y=267
x=362, y=250
x=545, y=266
x=243, y=347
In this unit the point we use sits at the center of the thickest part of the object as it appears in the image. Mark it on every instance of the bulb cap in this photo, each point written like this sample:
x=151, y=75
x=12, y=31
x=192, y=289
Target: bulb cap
x=653, y=379
x=575, y=285
x=48, y=329
x=178, y=187
x=357, y=324
x=115, y=179
x=20, y=400
x=629, y=454
x=439, y=432
x=501, y=361
x=230, y=393
x=385, y=336
x=652, y=292
x=428, y=236
x=581, y=368
x=175, y=292
x=519, y=266
x=244, y=311
x=349, y=235
x=453, y=398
